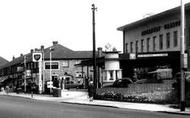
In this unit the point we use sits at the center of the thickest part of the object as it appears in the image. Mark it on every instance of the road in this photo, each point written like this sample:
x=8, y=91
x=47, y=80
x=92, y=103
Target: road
x=17, y=107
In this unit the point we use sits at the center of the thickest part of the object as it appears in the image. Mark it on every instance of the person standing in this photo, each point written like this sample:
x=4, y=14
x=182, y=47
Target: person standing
x=91, y=90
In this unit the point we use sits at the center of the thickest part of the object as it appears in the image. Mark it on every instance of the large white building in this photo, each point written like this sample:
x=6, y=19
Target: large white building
x=155, y=41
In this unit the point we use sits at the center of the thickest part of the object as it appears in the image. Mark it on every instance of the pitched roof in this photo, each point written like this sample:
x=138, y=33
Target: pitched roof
x=59, y=52
x=3, y=61
x=152, y=18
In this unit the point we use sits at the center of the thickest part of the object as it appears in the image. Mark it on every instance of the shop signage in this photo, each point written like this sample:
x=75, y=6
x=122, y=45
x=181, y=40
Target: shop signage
x=152, y=55
x=158, y=28
x=37, y=56
x=172, y=25
x=132, y=56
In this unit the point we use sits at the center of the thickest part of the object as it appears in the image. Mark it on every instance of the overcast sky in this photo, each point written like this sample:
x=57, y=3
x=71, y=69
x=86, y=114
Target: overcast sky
x=28, y=24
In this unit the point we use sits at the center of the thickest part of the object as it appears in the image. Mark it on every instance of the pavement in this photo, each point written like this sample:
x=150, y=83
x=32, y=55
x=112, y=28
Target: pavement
x=81, y=97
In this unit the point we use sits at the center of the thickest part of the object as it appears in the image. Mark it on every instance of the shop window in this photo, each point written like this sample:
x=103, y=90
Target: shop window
x=65, y=63
x=175, y=41
x=54, y=65
x=160, y=41
x=131, y=46
x=154, y=43
x=148, y=44
x=168, y=40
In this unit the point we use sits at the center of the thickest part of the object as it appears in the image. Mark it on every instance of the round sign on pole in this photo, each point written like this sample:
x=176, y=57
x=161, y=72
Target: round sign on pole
x=36, y=57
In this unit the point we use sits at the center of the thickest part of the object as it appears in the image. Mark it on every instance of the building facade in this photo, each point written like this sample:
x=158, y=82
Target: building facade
x=155, y=41
x=22, y=70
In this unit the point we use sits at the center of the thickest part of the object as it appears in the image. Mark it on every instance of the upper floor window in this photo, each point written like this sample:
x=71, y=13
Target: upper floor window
x=137, y=48
x=54, y=65
x=160, y=41
x=131, y=46
x=175, y=36
x=142, y=45
x=168, y=40
x=154, y=43
x=148, y=44
x=65, y=63
x=126, y=47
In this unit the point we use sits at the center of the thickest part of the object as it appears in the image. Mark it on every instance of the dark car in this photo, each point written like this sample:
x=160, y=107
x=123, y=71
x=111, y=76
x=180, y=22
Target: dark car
x=121, y=83
x=71, y=85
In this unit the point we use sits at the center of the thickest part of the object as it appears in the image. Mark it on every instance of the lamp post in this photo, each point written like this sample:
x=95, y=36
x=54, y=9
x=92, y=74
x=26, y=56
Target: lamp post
x=50, y=76
x=182, y=83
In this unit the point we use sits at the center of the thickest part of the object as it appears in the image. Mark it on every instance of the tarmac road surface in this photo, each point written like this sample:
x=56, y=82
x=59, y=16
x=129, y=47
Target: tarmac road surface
x=17, y=107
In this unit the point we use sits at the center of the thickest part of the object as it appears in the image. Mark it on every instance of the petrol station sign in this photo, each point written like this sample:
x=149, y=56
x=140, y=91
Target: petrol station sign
x=37, y=56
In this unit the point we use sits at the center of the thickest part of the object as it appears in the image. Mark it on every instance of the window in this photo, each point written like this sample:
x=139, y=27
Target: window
x=137, y=48
x=160, y=41
x=54, y=65
x=111, y=75
x=77, y=61
x=168, y=40
x=142, y=45
x=148, y=44
x=65, y=63
x=154, y=43
x=126, y=47
x=175, y=35
x=131, y=45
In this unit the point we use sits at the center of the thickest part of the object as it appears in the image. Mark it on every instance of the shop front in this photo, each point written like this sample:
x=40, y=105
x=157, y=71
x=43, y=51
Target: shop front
x=146, y=64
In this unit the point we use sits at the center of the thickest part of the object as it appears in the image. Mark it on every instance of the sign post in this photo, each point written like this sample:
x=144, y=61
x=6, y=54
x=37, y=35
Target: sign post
x=37, y=57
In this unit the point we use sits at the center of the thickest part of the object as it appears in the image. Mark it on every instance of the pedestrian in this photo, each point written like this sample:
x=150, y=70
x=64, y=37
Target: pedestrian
x=7, y=89
x=91, y=90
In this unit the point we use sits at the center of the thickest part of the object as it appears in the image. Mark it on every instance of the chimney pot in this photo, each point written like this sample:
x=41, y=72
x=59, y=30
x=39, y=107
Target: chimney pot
x=31, y=51
x=13, y=57
x=55, y=42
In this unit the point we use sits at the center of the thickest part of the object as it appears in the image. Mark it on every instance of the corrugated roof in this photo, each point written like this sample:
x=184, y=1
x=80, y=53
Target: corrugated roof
x=153, y=18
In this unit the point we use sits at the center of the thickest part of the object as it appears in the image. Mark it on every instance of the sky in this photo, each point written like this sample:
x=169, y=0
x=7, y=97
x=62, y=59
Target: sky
x=28, y=24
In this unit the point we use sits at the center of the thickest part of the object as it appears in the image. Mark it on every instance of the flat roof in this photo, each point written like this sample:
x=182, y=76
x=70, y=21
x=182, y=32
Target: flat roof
x=152, y=18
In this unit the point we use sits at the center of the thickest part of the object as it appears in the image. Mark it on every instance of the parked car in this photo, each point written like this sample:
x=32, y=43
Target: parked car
x=70, y=85
x=121, y=83
x=143, y=81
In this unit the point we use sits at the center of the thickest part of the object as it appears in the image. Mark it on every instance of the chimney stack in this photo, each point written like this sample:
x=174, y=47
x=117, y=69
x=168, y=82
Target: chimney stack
x=55, y=43
x=36, y=49
x=31, y=51
x=13, y=57
x=42, y=47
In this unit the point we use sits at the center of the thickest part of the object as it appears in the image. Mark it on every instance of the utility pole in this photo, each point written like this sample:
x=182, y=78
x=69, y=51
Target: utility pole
x=182, y=83
x=94, y=46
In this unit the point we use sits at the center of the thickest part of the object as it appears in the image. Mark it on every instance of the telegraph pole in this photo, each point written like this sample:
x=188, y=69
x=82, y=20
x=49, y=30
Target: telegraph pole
x=94, y=45
x=182, y=83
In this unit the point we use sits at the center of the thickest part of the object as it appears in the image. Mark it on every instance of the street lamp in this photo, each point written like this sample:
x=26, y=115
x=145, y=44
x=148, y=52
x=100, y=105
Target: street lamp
x=182, y=83
x=50, y=59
